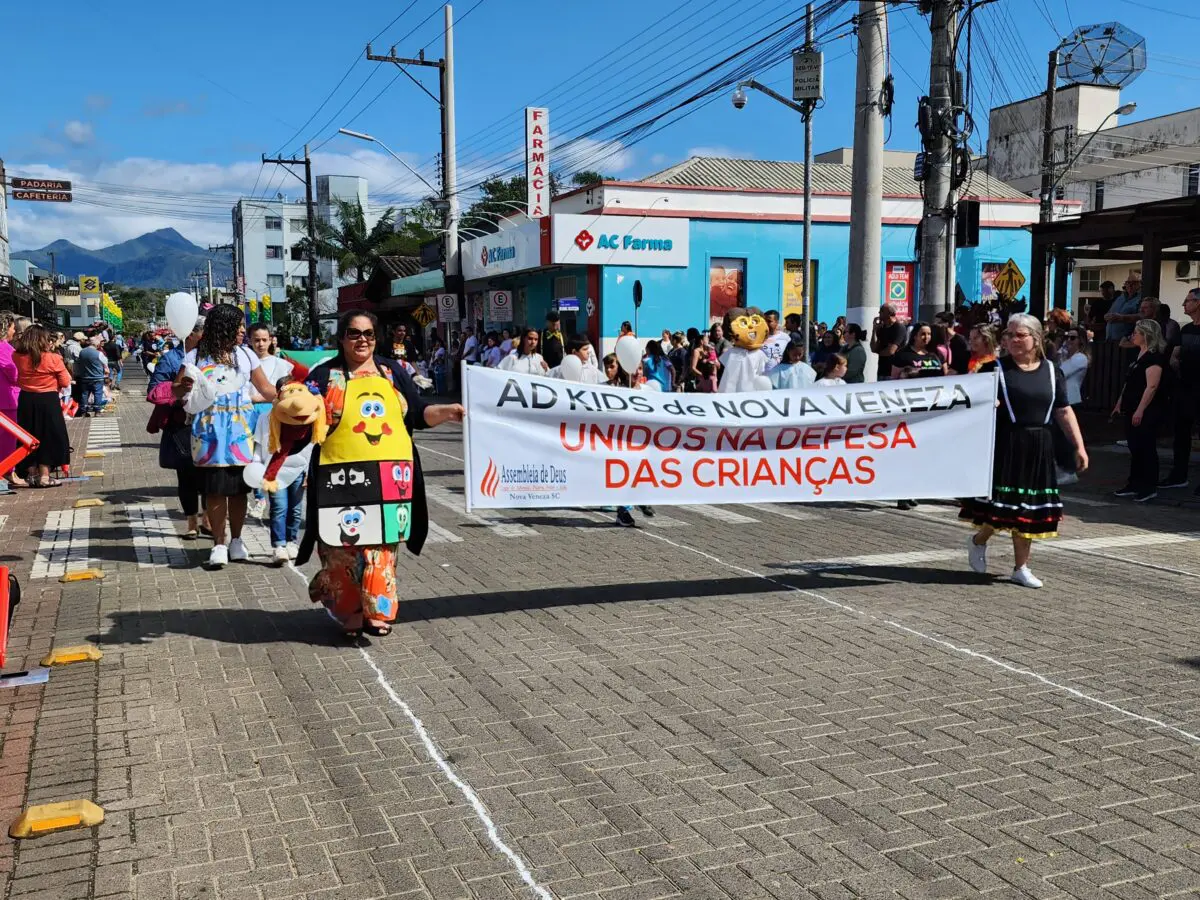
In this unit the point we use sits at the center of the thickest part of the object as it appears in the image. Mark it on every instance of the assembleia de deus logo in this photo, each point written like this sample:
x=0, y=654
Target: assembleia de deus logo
x=523, y=481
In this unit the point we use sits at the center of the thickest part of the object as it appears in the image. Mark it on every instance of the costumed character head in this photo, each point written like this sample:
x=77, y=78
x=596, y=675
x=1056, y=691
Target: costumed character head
x=746, y=327
x=350, y=522
x=300, y=406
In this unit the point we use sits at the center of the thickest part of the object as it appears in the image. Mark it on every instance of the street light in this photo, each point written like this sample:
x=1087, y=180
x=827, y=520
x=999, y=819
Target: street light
x=358, y=135
x=805, y=109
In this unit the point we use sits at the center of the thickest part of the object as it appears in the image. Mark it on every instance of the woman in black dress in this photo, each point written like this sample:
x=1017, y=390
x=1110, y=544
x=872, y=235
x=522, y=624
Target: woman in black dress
x=1143, y=404
x=1025, y=500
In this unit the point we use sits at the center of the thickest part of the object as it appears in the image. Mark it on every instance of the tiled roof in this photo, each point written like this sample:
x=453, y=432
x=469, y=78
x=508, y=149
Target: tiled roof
x=399, y=266
x=718, y=172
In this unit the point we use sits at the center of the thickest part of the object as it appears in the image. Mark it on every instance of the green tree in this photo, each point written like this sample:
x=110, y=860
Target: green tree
x=350, y=243
x=501, y=197
x=420, y=225
x=291, y=318
x=588, y=176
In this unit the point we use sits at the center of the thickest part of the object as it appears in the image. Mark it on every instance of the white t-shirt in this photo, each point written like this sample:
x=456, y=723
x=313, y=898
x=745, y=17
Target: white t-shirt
x=742, y=367
x=492, y=357
x=830, y=382
x=1074, y=369
x=506, y=347
x=471, y=349
x=533, y=364
x=276, y=367
x=774, y=347
x=590, y=375
x=247, y=361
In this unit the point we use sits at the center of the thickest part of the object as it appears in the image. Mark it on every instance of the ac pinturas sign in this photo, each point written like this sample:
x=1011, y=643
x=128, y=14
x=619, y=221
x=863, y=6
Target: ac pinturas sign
x=540, y=442
x=537, y=161
x=619, y=240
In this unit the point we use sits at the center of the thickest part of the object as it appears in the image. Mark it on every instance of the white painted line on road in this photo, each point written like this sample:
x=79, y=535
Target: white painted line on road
x=440, y=535
x=1079, y=499
x=941, y=642
x=878, y=559
x=439, y=759
x=1144, y=539
x=488, y=518
x=783, y=510
x=155, y=538
x=64, y=544
x=105, y=435
x=719, y=514
x=3, y=522
x=425, y=449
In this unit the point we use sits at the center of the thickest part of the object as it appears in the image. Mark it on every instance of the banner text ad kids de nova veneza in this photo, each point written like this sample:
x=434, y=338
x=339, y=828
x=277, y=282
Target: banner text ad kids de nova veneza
x=541, y=442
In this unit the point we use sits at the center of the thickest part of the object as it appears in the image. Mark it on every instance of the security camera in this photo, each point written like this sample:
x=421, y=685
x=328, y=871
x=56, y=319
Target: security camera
x=739, y=99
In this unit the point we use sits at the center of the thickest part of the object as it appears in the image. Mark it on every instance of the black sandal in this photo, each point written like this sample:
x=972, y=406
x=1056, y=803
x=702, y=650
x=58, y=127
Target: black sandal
x=378, y=630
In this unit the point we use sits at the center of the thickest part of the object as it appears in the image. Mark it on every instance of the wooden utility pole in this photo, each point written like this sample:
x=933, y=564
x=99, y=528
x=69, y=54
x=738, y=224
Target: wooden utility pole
x=314, y=320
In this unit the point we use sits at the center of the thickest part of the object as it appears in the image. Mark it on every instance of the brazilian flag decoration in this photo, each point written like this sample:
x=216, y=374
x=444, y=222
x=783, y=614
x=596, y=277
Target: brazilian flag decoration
x=111, y=313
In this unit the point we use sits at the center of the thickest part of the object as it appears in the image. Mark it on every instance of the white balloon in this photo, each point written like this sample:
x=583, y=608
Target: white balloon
x=253, y=475
x=572, y=368
x=651, y=384
x=762, y=383
x=182, y=312
x=629, y=354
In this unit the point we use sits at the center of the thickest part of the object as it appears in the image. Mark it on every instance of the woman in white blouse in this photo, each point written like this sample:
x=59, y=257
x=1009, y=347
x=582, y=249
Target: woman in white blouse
x=526, y=359
x=1074, y=367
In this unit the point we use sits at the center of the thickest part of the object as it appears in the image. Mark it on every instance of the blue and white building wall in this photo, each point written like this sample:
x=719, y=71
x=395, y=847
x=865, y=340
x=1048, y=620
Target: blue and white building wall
x=693, y=249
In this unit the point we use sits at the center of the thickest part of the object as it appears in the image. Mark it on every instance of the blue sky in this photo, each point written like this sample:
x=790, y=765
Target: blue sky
x=168, y=121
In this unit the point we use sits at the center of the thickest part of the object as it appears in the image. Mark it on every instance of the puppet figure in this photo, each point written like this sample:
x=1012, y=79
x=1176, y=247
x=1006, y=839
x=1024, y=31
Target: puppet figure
x=744, y=362
x=297, y=422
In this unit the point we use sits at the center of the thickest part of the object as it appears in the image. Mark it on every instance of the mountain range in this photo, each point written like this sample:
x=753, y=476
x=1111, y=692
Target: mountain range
x=159, y=259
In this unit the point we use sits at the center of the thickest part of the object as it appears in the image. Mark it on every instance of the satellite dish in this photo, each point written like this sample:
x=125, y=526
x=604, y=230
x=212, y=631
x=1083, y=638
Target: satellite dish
x=1108, y=54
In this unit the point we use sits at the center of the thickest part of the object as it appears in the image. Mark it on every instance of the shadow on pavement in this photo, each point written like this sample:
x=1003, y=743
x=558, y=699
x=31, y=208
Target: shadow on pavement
x=231, y=626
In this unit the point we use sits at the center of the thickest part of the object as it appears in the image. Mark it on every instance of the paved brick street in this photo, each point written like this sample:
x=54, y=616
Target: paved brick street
x=787, y=702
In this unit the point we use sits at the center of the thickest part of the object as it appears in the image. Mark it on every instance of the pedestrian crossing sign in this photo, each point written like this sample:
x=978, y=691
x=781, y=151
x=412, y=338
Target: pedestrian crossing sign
x=1009, y=280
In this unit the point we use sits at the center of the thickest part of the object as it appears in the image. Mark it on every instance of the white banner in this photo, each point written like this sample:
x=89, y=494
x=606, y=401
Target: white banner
x=537, y=161
x=541, y=442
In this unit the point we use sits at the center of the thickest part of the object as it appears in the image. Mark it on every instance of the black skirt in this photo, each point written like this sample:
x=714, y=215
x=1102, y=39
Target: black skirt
x=1025, y=499
x=223, y=481
x=42, y=416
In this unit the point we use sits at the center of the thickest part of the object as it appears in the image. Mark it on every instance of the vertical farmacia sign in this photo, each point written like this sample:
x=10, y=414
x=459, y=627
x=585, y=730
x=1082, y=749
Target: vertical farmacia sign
x=537, y=161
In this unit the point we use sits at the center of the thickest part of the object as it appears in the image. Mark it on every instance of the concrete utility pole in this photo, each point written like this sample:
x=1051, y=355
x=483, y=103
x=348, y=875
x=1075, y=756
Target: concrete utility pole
x=937, y=276
x=809, y=106
x=866, y=199
x=314, y=320
x=53, y=289
x=1040, y=264
x=449, y=151
x=210, y=289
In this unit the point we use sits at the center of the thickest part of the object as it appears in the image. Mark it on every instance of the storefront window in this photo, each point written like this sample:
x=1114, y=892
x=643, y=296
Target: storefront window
x=726, y=286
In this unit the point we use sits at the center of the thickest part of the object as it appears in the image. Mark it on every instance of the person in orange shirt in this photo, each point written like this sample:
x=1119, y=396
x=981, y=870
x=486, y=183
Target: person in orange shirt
x=41, y=374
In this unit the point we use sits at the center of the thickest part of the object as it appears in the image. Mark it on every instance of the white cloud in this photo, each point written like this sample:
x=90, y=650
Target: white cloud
x=122, y=199
x=723, y=152
x=607, y=157
x=79, y=133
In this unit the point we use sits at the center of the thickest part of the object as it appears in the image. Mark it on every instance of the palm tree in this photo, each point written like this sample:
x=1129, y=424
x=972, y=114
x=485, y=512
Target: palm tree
x=350, y=244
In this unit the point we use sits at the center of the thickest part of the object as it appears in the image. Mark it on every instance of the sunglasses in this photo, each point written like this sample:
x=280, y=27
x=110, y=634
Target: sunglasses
x=354, y=334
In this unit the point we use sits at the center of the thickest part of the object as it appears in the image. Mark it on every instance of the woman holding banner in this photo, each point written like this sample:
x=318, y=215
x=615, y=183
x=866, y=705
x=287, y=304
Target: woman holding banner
x=526, y=359
x=1025, y=499
x=366, y=495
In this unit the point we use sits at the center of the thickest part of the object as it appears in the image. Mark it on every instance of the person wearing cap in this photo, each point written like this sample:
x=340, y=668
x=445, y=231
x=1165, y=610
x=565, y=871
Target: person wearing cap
x=91, y=371
x=175, y=444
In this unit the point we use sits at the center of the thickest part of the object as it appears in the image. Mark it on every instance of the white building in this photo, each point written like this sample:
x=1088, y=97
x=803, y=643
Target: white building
x=5, y=268
x=268, y=234
x=1099, y=163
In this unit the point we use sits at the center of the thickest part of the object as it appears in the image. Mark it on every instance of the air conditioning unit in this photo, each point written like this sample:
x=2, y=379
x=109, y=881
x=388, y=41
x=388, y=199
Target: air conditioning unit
x=1187, y=270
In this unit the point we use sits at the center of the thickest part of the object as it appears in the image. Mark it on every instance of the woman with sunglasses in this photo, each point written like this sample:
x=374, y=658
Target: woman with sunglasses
x=1074, y=365
x=366, y=494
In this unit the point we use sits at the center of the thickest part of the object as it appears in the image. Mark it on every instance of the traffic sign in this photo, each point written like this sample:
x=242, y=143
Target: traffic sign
x=423, y=315
x=1009, y=280
x=499, y=306
x=447, y=306
x=808, y=75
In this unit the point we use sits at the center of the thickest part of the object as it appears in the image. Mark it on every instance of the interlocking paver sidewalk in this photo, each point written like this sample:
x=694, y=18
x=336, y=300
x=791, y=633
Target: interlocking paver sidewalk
x=683, y=712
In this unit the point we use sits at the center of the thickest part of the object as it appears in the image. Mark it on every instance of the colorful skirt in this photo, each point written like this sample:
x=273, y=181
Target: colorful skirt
x=1025, y=499
x=356, y=584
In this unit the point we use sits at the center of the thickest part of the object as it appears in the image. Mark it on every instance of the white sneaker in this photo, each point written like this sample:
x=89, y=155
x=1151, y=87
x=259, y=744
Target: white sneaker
x=238, y=551
x=977, y=556
x=1065, y=478
x=293, y=549
x=219, y=557
x=1025, y=578
x=281, y=557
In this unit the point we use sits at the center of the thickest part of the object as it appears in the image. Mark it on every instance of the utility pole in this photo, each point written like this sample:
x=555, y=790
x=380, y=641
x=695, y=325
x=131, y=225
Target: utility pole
x=210, y=286
x=809, y=106
x=53, y=289
x=866, y=198
x=445, y=101
x=314, y=320
x=936, y=121
x=232, y=250
x=1040, y=264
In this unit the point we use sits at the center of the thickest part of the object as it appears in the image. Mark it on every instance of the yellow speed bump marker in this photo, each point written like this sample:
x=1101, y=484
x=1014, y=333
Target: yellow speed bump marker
x=94, y=454
x=82, y=575
x=91, y=501
x=94, y=474
x=60, y=656
x=48, y=817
